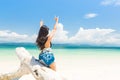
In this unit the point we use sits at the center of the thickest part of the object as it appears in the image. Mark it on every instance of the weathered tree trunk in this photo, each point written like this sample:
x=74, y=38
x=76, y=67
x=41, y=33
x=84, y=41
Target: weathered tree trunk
x=30, y=65
x=16, y=74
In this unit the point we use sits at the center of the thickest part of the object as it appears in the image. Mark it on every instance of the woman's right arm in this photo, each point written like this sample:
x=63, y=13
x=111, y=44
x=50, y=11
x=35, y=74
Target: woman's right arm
x=54, y=29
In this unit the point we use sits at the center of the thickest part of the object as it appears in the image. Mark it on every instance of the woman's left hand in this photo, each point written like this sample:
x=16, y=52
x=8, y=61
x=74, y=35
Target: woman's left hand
x=41, y=23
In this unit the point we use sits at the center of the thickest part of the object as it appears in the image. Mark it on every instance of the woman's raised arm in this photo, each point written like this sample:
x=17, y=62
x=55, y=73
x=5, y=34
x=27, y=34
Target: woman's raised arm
x=54, y=28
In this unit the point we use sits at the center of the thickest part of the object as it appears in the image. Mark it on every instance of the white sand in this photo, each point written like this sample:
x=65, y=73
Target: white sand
x=8, y=65
x=79, y=67
x=90, y=67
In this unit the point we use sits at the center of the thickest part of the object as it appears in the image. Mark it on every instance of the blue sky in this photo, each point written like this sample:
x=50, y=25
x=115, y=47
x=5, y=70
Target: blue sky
x=23, y=16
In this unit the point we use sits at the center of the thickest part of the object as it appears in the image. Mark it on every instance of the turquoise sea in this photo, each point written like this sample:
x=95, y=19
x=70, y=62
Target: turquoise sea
x=8, y=50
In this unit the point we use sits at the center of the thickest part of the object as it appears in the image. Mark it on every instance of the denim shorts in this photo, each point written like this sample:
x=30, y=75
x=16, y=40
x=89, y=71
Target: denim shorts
x=46, y=57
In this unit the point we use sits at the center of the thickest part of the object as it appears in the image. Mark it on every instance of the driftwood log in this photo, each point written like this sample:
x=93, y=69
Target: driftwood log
x=29, y=65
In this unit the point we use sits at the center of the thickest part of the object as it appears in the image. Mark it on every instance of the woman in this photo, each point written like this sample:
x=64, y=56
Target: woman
x=43, y=41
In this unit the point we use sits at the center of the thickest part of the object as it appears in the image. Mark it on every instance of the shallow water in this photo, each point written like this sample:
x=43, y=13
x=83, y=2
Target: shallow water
x=10, y=52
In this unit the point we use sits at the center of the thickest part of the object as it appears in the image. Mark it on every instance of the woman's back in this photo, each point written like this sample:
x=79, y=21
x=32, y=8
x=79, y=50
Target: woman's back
x=44, y=43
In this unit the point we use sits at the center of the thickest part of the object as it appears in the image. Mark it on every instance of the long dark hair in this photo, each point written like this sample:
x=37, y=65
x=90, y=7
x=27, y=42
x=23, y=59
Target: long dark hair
x=42, y=37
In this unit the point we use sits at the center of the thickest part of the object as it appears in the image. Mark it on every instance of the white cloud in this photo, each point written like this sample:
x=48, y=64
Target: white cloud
x=90, y=15
x=111, y=2
x=9, y=36
x=61, y=35
x=95, y=36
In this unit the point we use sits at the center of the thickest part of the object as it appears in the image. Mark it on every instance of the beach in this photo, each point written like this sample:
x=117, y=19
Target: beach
x=74, y=64
x=91, y=68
